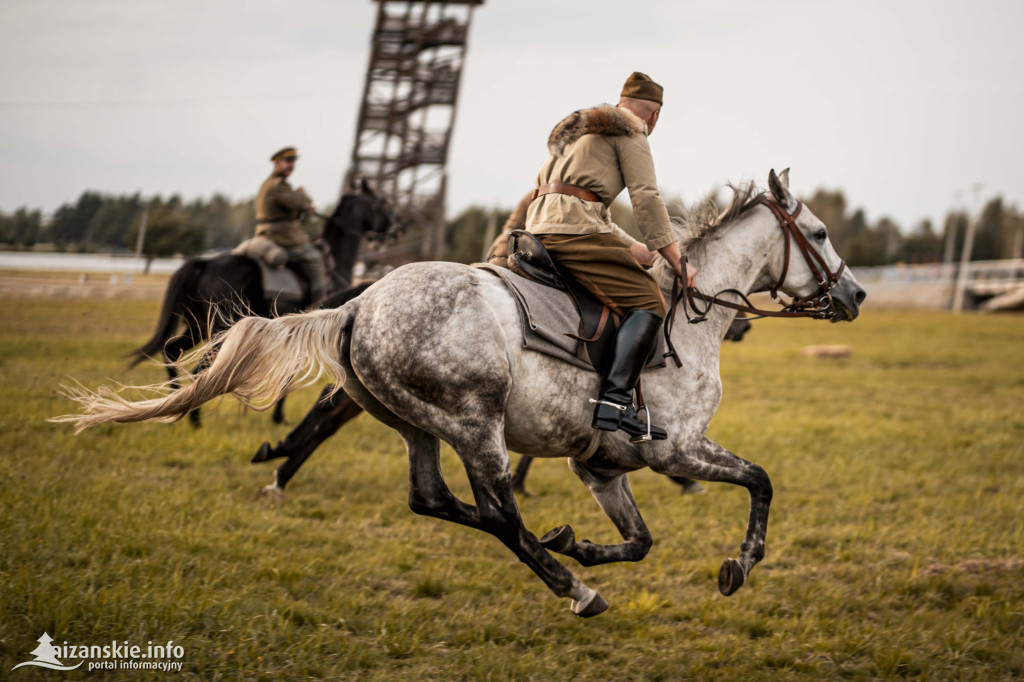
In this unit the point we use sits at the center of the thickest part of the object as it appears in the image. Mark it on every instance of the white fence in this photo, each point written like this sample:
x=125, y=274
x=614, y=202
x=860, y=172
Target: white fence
x=85, y=262
x=931, y=285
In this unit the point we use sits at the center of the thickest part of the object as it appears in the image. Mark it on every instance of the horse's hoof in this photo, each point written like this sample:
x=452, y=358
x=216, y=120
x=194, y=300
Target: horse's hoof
x=520, y=490
x=272, y=492
x=693, y=488
x=597, y=605
x=262, y=453
x=560, y=540
x=730, y=577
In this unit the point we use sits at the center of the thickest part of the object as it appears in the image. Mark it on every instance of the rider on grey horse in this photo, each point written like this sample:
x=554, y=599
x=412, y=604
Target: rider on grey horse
x=595, y=154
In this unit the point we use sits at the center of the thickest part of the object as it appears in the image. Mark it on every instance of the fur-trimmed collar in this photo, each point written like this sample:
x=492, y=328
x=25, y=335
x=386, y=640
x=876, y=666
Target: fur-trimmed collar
x=601, y=120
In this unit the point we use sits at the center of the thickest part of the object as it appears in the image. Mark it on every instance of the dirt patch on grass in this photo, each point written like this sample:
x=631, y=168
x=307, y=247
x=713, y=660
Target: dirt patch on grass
x=978, y=566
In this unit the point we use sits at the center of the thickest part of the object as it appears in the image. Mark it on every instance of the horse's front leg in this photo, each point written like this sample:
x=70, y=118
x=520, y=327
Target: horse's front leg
x=612, y=492
x=519, y=476
x=706, y=460
x=322, y=421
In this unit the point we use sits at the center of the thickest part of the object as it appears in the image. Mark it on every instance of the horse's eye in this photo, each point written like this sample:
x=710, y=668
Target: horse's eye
x=821, y=235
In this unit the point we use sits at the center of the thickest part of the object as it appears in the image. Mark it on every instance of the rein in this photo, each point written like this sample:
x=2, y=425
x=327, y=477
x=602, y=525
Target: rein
x=817, y=306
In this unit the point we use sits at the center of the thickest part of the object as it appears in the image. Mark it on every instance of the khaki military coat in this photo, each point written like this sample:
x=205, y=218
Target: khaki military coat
x=517, y=221
x=278, y=209
x=603, y=150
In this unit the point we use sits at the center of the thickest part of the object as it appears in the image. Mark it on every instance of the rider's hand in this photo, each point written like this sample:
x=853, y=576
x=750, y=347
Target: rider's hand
x=671, y=254
x=691, y=276
x=675, y=259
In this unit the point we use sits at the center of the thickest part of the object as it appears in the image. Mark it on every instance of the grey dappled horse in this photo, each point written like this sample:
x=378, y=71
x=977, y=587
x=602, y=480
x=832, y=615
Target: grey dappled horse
x=434, y=350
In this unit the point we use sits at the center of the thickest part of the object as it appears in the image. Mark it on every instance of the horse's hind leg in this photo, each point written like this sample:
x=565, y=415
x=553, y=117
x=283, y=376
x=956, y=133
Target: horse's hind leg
x=173, y=351
x=495, y=511
x=487, y=466
x=278, y=416
x=428, y=492
x=613, y=494
x=204, y=362
x=709, y=461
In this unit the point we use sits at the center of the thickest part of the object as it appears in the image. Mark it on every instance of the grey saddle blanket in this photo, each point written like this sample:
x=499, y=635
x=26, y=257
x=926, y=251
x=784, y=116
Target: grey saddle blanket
x=547, y=315
x=279, y=283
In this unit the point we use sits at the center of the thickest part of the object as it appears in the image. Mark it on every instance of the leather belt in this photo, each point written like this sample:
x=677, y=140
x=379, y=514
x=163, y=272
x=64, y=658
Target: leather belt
x=565, y=188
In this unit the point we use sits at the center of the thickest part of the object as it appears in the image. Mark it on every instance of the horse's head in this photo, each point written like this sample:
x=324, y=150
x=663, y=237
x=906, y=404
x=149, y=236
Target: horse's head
x=362, y=211
x=803, y=262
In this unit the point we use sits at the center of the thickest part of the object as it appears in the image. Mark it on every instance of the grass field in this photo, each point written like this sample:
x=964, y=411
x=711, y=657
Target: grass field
x=895, y=548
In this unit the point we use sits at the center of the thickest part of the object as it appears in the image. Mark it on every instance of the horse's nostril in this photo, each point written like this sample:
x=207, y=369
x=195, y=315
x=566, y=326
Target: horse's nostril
x=860, y=296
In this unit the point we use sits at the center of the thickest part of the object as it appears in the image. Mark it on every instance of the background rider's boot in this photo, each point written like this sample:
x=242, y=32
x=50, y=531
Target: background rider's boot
x=634, y=342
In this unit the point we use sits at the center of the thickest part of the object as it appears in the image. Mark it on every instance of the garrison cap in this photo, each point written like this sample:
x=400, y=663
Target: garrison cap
x=640, y=86
x=285, y=153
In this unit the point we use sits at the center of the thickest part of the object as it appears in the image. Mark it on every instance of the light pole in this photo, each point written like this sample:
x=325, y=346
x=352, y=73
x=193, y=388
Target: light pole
x=965, y=255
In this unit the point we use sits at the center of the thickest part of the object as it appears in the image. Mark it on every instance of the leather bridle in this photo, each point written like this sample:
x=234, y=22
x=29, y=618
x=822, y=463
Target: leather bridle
x=818, y=305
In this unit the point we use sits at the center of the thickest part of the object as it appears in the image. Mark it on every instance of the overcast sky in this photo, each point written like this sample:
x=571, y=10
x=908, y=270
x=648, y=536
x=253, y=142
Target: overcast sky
x=903, y=104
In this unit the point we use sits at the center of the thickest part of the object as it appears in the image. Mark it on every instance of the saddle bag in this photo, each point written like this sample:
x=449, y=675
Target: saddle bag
x=264, y=250
x=528, y=257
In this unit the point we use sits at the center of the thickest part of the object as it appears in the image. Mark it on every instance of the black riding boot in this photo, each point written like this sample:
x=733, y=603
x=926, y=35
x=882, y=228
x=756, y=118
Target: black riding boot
x=632, y=348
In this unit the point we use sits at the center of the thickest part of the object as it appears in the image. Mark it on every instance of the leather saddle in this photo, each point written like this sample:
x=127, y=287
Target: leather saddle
x=528, y=257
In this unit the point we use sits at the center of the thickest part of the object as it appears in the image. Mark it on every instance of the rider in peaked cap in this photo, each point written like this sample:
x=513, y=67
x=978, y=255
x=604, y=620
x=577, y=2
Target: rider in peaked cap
x=279, y=209
x=593, y=155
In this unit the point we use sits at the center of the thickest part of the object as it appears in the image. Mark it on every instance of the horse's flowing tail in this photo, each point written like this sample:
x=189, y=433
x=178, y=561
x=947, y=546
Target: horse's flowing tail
x=186, y=278
x=258, y=360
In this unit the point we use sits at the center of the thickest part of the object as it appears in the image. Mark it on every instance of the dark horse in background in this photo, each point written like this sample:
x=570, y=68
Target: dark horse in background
x=331, y=412
x=207, y=295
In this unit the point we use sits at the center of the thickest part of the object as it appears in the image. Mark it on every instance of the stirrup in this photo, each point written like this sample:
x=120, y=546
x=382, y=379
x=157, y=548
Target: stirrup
x=646, y=438
x=620, y=408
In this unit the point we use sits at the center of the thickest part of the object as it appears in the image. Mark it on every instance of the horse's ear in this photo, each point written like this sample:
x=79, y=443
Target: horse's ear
x=779, y=187
x=365, y=186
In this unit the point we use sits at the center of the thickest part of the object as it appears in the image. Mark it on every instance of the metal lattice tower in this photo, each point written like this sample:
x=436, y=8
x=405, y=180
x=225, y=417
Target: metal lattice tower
x=408, y=112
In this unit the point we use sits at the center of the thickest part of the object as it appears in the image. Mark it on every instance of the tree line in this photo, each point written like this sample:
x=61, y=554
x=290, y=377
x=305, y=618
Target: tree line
x=103, y=223
x=999, y=233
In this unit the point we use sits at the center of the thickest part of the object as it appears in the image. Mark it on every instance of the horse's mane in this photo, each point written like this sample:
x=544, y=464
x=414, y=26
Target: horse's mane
x=693, y=223
x=698, y=221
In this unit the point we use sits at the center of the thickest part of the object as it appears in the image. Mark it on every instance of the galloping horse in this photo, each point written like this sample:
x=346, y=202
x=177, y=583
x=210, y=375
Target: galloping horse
x=434, y=350
x=335, y=409
x=207, y=293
